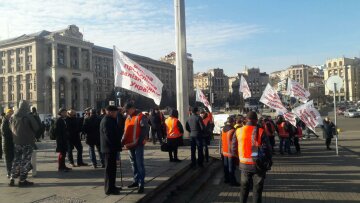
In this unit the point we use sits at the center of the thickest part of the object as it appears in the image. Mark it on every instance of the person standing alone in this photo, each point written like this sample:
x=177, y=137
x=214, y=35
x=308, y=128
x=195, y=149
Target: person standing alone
x=110, y=142
x=329, y=130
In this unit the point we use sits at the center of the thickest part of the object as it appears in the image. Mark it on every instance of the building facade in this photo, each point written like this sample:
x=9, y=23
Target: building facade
x=215, y=82
x=349, y=70
x=171, y=58
x=59, y=69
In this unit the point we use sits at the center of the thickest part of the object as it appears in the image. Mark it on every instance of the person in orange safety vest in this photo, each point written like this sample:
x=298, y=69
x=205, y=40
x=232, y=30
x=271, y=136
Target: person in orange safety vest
x=283, y=131
x=174, y=133
x=136, y=130
x=228, y=155
x=252, y=147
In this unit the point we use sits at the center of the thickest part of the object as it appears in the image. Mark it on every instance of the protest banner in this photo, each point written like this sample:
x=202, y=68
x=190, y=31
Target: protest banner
x=271, y=99
x=244, y=88
x=309, y=115
x=200, y=97
x=295, y=89
x=132, y=76
x=291, y=117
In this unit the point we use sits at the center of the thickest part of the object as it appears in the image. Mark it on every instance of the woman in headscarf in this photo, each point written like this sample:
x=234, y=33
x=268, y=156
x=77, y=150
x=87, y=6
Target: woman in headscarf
x=174, y=131
x=24, y=128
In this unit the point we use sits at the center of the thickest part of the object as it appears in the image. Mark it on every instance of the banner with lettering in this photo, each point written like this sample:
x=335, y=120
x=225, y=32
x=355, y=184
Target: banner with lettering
x=309, y=115
x=295, y=89
x=244, y=88
x=200, y=97
x=132, y=76
x=271, y=99
x=291, y=117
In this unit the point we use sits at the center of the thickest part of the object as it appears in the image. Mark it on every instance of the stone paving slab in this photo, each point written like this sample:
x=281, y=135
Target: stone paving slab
x=317, y=175
x=85, y=183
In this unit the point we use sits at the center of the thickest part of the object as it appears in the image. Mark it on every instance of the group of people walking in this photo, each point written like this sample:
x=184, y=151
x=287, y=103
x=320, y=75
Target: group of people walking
x=249, y=142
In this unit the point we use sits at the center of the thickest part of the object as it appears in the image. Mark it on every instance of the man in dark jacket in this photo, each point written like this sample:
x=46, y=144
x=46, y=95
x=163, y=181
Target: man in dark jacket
x=195, y=127
x=92, y=129
x=156, y=125
x=62, y=140
x=110, y=141
x=7, y=141
x=329, y=130
x=74, y=139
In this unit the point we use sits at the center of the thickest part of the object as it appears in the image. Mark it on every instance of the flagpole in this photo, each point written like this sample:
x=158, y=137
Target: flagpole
x=182, y=96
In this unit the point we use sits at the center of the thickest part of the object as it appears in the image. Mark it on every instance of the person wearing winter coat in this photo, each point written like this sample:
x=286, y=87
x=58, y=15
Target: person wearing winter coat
x=329, y=130
x=7, y=141
x=92, y=129
x=23, y=128
x=62, y=139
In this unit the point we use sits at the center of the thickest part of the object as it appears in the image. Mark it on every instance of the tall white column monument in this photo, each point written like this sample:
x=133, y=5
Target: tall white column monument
x=182, y=95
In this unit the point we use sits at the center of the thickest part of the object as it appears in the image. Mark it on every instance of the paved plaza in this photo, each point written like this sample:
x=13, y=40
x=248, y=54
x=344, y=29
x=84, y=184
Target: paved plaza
x=317, y=175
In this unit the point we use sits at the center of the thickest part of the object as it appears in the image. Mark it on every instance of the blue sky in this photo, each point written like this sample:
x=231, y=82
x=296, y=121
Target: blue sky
x=228, y=34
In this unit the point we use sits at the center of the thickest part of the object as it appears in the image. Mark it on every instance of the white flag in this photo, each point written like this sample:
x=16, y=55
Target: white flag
x=131, y=76
x=200, y=97
x=271, y=99
x=295, y=89
x=309, y=115
x=291, y=117
x=244, y=88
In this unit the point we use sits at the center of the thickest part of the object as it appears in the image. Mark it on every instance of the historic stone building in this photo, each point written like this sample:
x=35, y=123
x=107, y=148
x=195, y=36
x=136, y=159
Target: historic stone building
x=171, y=58
x=349, y=70
x=61, y=69
x=214, y=81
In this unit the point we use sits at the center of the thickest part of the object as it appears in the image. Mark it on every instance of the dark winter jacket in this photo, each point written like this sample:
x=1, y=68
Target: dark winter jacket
x=92, y=129
x=328, y=129
x=73, y=126
x=110, y=138
x=155, y=120
x=62, y=135
x=8, y=143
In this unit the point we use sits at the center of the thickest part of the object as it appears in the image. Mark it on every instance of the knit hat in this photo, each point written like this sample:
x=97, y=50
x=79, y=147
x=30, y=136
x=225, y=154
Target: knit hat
x=111, y=108
x=61, y=110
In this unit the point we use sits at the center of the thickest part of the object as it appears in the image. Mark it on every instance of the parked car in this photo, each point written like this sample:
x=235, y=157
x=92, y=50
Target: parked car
x=351, y=113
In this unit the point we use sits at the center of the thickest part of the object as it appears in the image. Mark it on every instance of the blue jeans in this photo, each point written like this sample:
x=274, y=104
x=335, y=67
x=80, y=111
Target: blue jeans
x=93, y=156
x=229, y=169
x=197, y=142
x=136, y=156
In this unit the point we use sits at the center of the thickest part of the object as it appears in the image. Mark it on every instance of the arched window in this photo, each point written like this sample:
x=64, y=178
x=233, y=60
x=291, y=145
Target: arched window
x=335, y=64
x=329, y=65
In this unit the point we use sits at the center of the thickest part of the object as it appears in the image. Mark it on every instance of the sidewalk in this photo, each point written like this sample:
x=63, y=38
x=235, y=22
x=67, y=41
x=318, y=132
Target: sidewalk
x=85, y=184
x=317, y=175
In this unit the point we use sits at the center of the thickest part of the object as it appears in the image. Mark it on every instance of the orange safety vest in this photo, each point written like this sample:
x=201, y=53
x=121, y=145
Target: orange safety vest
x=132, y=131
x=248, y=143
x=226, y=140
x=282, y=132
x=267, y=130
x=172, y=130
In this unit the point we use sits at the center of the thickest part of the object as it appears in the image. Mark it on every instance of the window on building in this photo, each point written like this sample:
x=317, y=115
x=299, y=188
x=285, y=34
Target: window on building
x=340, y=63
x=30, y=96
x=29, y=49
x=335, y=64
x=11, y=52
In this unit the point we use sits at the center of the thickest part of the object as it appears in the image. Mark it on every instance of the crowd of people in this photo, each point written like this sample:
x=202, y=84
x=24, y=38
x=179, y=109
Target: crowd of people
x=246, y=141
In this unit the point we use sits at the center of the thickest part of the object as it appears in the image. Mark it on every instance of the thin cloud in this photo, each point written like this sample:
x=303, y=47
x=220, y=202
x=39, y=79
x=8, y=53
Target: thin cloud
x=141, y=27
